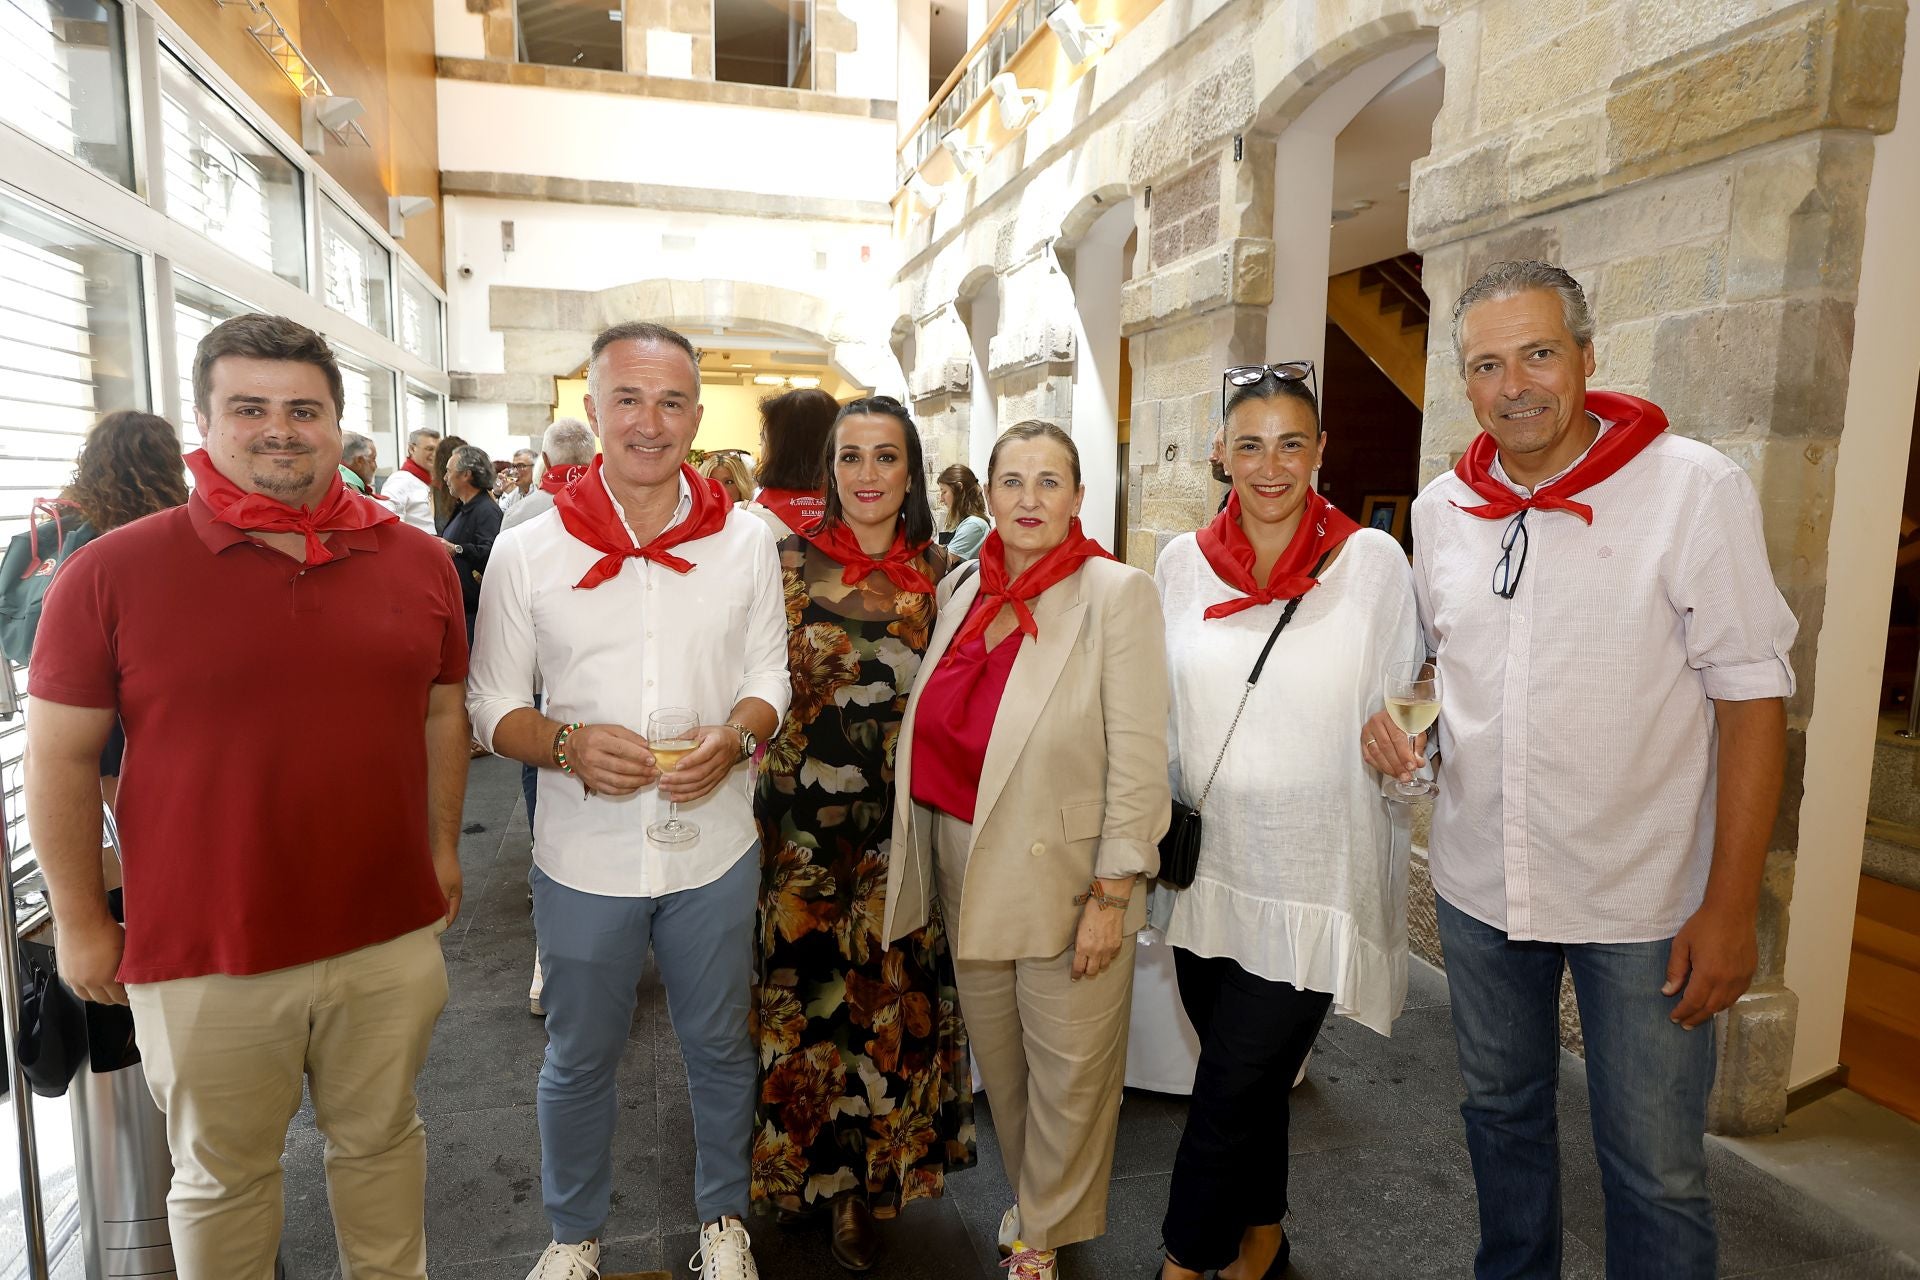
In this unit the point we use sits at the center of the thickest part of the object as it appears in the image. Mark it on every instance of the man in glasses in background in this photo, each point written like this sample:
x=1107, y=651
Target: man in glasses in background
x=521, y=483
x=1596, y=590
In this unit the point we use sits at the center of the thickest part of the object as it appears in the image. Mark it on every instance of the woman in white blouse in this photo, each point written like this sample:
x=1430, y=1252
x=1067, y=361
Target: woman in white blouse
x=1299, y=901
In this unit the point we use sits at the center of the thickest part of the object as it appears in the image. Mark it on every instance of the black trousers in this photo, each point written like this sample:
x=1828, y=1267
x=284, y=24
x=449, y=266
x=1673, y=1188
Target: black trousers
x=1231, y=1170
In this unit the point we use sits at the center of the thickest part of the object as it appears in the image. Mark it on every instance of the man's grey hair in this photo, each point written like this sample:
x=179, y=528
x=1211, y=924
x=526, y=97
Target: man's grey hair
x=638, y=331
x=418, y=434
x=1505, y=279
x=523, y=453
x=353, y=447
x=473, y=462
x=568, y=443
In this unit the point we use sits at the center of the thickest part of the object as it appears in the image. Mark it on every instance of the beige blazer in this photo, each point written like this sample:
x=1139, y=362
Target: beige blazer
x=1075, y=778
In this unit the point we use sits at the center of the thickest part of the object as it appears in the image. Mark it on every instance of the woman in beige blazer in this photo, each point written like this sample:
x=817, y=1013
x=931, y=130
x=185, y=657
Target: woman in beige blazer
x=1034, y=757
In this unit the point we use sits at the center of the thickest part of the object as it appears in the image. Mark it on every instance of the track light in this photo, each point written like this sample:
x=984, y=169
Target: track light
x=400, y=208
x=925, y=192
x=1080, y=38
x=966, y=158
x=1017, y=105
x=327, y=113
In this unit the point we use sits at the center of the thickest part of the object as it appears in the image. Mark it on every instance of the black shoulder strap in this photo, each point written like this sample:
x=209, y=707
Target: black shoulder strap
x=1286, y=616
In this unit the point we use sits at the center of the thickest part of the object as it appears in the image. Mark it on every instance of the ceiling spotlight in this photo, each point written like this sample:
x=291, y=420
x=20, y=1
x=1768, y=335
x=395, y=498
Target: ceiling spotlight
x=768, y=380
x=400, y=208
x=966, y=157
x=925, y=192
x=327, y=113
x=804, y=381
x=1080, y=38
x=1017, y=105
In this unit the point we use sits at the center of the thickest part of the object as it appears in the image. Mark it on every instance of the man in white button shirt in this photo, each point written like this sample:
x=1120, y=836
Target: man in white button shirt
x=641, y=589
x=410, y=488
x=522, y=482
x=1614, y=656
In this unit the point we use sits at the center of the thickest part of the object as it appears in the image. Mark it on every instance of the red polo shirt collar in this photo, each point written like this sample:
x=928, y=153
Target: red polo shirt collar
x=218, y=537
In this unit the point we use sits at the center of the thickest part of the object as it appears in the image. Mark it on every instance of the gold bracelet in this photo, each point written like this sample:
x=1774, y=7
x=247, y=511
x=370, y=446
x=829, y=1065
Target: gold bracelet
x=1101, y=898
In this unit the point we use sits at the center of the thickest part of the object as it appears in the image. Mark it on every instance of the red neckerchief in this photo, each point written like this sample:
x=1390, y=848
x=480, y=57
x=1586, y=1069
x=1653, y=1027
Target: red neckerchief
x=1054, y=567
x=558, y=478
x=417, y=471
x=837, y=541
x=1636, y=424
x=1230, y=553
x=587, y=509
x=798, y=509
x=227, y=503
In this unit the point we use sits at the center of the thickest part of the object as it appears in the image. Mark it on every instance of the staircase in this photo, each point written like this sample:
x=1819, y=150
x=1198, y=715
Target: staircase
x=1383, y=308
x=1880, y=1033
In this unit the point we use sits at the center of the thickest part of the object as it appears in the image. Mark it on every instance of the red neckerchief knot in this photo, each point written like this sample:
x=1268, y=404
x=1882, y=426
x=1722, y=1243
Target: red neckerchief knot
x=839, y=542
x=586, y=509
x=1636, y=424
x=1229, y=552
x=339, y=510
x=996, y=591
x=558, y=478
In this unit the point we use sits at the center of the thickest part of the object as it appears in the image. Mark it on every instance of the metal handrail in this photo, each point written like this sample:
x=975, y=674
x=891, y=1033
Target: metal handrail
x=1012, y=26
x=32, y=1206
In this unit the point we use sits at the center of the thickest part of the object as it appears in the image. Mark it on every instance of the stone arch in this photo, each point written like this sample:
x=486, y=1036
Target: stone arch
x=1087, y=210
x=1295, y=88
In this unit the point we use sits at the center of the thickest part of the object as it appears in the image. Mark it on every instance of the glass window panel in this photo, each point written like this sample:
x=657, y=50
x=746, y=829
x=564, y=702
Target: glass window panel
x=225, y=180
x=419, y=319
x=426, y=410
x=63, y=63
x=571, y=33
x=763, y=42
x=368, y=407
x=356, y=268
x=196, y=310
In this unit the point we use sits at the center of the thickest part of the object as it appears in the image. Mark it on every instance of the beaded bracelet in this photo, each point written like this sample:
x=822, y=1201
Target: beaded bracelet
x=1101, y=898
x=560, y=746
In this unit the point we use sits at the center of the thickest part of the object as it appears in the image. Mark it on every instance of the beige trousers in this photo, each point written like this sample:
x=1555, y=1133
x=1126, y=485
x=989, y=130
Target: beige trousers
x=1053, y=1055
x=224, y=1057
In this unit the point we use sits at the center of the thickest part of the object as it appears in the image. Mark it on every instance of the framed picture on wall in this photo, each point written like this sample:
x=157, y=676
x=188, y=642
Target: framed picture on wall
x=1387, y=512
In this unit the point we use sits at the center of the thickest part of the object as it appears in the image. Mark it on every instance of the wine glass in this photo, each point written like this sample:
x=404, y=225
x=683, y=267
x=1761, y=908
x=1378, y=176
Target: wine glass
x=1413, y=702
x=671, y=733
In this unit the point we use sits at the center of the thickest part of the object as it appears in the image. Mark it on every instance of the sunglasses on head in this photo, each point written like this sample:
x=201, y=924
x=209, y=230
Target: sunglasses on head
x=1247, y=375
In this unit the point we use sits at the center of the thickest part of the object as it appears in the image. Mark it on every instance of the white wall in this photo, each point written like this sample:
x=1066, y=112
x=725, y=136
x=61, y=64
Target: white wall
x=870, y=71
x=570, y=134
x=1097, y=272
x=568, y=246
x=456, y=32
x=1868, y=487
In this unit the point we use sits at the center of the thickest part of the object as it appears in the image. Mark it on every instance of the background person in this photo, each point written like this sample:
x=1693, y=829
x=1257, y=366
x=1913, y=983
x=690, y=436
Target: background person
x=730, y=469
x=645, y=589
x=860, y=608
x=1584, y=566
x=1300, y=899
x=443, y=501
x=358, y=462
x=793, y=444
x=1034, y=751
x=260, y=950
x=966, y=511
x=474, y=524
x=411, y=487
x=566, y=450
x=519, y=483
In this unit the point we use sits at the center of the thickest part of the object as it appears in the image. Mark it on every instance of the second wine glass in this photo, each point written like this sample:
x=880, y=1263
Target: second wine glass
x=671, y=733
x=1413, y=701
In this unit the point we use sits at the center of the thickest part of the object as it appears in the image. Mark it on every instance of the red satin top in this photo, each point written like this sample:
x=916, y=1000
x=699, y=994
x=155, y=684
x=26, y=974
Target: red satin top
x=953, y=722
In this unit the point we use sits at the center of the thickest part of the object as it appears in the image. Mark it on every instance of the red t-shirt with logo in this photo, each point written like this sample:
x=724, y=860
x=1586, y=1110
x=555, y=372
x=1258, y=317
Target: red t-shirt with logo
x=273, y=799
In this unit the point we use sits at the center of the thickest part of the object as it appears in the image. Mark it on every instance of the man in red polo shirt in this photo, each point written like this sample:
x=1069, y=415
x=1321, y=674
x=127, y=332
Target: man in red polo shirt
x=273, y=931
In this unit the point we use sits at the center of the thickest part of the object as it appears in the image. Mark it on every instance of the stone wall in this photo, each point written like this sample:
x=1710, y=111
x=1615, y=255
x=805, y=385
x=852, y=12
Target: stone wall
x=1701, y=167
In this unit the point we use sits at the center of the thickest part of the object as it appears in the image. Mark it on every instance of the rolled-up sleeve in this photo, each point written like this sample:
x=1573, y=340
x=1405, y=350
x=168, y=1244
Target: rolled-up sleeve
x=1739, y=630
x=504, y=666
x=1134, y=705
x=764, y=674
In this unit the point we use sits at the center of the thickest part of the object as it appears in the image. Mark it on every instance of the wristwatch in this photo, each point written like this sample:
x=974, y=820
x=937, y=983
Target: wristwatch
x=748, y=742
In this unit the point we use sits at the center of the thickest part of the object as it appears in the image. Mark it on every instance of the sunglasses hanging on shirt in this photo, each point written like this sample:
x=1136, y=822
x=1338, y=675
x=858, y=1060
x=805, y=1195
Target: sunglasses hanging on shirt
x=1247, y=375
x=1513, y=556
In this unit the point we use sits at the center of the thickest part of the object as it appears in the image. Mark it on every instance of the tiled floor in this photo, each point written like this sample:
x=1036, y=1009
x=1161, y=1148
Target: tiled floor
x=1379, y=1180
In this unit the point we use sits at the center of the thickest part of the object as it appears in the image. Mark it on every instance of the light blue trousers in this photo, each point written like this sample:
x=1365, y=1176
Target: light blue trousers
x=592, y=952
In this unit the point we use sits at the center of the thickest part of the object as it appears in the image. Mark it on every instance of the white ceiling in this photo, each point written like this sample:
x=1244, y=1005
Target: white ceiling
x=1372, y=160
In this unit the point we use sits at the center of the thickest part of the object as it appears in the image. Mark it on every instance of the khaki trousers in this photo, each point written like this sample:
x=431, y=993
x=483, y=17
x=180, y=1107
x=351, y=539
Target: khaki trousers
x=1053, y=1055
x=225, y=1056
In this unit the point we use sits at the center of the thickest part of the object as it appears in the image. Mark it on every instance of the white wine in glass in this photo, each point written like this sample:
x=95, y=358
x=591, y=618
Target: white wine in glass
x=1413, y=703
x=672, y=732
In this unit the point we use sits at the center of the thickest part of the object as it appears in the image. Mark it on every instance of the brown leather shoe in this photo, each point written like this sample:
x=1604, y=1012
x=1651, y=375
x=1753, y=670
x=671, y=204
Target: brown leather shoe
x=855, y=1243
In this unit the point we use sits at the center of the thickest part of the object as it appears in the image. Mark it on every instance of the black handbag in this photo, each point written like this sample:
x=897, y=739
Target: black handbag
x=1180, y=847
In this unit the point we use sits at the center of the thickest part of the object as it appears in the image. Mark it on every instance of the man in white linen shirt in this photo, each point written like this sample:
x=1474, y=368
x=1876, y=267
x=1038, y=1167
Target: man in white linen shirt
x=410, y=487
x=642, y=589
x=521, y=484
x=1614, y=654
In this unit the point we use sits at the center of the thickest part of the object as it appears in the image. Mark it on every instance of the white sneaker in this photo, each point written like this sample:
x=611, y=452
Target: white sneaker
x=1300, y=1077
x=1030, y=1264
x=1009, y=1229
x=726, y=1252
x=568, y=1262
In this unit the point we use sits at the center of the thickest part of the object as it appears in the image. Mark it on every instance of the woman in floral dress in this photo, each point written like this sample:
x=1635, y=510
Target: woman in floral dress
x=865, y=1100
